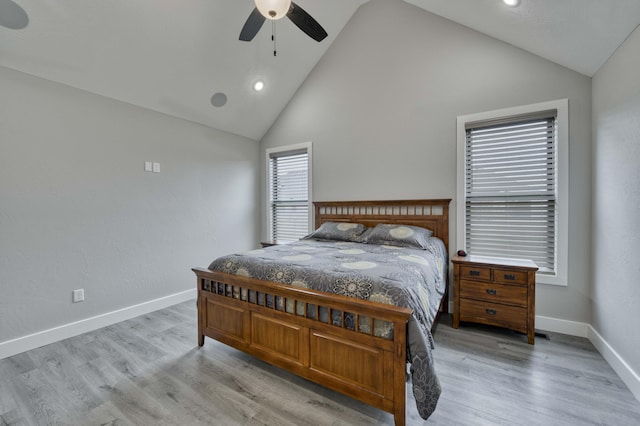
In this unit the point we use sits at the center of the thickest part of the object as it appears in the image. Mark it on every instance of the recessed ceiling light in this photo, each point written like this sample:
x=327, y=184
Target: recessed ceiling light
x=258, y=85
x=512, y=3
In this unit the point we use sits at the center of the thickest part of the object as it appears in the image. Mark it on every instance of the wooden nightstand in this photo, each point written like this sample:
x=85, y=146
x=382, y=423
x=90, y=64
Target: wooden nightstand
x=500, y=292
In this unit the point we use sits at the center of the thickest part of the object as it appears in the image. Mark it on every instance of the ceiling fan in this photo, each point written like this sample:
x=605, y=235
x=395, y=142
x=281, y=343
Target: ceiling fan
x=13, y=16
x=278, y=9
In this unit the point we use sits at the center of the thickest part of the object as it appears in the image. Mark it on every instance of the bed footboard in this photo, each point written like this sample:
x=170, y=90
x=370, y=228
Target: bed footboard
x=352, y=346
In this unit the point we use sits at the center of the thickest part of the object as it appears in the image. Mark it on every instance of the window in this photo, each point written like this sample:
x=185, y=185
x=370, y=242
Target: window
x=289, y=177
x=511, y=190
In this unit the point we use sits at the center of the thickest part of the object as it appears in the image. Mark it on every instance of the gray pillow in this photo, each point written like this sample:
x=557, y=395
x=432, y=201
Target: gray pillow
x=338, y=231
x=399, y=235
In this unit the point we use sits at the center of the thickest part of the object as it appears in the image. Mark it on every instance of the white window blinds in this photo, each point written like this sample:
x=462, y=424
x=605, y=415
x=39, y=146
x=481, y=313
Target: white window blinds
x=510, y=188
x=289, y=194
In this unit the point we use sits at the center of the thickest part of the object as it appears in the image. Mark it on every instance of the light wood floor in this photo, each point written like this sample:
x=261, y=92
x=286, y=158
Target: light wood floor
x=149, y=371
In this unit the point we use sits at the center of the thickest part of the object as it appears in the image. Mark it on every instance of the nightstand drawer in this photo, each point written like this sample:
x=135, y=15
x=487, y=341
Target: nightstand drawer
x=475, y=273
x=512, y=317
x=515, y=295
x=509, y=276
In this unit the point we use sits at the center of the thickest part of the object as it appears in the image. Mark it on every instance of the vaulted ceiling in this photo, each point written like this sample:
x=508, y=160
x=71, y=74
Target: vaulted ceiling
x=172, y=56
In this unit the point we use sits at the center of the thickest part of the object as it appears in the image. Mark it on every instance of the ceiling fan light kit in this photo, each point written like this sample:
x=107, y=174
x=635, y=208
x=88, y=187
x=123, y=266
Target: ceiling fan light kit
x=273, y=9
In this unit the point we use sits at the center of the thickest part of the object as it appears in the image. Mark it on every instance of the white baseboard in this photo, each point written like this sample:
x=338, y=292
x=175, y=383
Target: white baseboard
x=572, y=328
x=619, y=365
x=36, y=340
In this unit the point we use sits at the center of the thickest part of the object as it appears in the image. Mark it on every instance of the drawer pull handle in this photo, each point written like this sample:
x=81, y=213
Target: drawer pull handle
x=492, y=291
x=491, y=311
x=509, y=277
x=474, y=273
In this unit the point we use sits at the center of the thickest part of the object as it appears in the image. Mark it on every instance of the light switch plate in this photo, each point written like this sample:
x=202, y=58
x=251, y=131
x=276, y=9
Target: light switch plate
x=147, y=166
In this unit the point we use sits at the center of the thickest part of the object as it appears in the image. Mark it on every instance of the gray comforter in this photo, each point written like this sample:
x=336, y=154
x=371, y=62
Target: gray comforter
x=400, y=276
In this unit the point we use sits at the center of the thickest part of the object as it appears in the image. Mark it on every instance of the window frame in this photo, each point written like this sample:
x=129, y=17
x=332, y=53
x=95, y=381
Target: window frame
x=280, y=150
x=562, y=185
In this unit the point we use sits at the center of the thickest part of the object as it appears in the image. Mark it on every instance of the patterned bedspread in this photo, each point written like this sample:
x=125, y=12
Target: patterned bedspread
x=400, y=276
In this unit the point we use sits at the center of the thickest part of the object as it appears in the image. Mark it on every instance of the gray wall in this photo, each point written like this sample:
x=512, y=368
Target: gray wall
x=616, y=201
x=78, y=211
x=381, y=106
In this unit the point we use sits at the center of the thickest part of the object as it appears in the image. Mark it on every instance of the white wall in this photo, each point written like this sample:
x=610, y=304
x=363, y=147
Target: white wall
x=77, y=209
x=616, y=203
x=381, y=108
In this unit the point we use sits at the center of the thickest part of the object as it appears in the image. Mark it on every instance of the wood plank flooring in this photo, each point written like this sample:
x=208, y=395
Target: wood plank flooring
x=150, y=371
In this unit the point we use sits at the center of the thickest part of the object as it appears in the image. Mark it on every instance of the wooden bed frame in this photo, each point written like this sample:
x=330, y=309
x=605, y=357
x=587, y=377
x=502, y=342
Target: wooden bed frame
x=359, y=364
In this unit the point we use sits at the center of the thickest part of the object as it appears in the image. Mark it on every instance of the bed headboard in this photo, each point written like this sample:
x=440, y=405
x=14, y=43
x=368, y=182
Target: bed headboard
x=430, y=214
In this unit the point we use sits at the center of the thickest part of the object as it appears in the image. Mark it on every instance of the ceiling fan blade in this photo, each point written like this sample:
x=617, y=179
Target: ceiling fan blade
x=306, y=23
x=12, y=15
x=252, y=26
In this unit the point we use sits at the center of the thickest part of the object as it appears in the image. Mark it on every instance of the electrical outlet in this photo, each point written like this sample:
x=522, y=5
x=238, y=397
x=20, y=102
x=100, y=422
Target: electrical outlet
x=156, y=167
x=78, y=295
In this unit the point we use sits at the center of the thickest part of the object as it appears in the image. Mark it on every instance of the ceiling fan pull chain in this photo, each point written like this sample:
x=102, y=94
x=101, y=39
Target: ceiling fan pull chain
x=273, y=36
